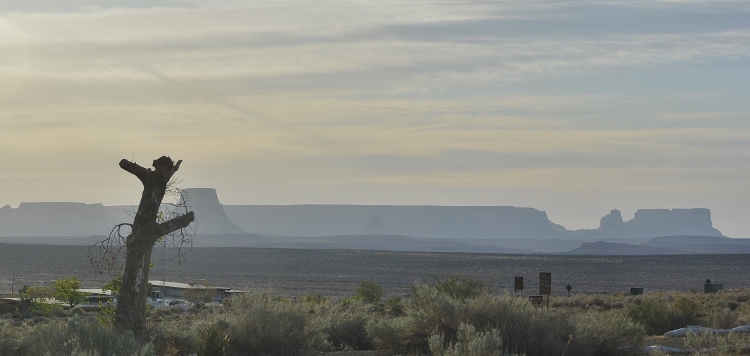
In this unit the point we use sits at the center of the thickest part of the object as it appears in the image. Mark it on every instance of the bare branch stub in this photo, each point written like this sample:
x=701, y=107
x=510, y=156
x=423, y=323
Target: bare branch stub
x=107, y=255
x=129, y=252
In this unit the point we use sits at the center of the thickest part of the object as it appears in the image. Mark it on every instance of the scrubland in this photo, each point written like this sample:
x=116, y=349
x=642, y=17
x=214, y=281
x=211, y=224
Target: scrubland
x=453, y=316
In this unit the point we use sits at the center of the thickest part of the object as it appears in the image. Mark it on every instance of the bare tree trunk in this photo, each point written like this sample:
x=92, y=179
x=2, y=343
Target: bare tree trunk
x=146, y=230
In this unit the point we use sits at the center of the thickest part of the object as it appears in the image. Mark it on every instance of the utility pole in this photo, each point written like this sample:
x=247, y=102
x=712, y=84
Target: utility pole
x=13, y=283
x=163, y=270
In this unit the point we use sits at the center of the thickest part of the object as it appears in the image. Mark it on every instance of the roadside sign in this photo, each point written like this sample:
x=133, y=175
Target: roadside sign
x=536, y=300
x=519, y=283
x=545, y=283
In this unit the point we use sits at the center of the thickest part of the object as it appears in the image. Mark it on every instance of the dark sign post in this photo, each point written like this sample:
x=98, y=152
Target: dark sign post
x=568, y=288
x=545, y=285
x=519, y=285
x=536, y=300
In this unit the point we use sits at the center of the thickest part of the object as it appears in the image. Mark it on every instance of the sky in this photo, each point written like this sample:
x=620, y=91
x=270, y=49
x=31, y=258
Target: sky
x=570, y=107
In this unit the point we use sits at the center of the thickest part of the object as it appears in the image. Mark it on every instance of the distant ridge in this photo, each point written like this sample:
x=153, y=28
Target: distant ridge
x=505, y=229
x=667, y=245
x=55, y=219
x=476, y=222
x=649, y=223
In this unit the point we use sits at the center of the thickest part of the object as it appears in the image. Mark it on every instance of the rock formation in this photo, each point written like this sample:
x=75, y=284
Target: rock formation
x=210, y=217
x=612, y=221
x=649, y=223
x=55, y=219
x=479, y=222
x=452, y=222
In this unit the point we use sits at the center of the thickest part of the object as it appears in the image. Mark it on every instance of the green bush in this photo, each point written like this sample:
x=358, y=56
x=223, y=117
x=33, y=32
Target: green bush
x=394, y=306
x=261, y=325
x=345, y=326
x=213, y=340
x=461, y=287
x=431, y=312
x=314, y=299
x=58, y=312
x=368, y=292
x=656, y=316
x=10, y=339
x=727, y=344
x=524, y=328
x=81, y=336
x=469, y=343
x=605, y=333
x=177, y=336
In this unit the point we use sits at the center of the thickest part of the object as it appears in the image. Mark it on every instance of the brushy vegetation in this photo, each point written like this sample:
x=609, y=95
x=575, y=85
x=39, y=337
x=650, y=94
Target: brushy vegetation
x=454, y=316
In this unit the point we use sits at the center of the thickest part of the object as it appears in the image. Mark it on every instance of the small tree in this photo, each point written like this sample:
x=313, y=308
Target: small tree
x=368, y=292
x=31, y=299
x=66, y=289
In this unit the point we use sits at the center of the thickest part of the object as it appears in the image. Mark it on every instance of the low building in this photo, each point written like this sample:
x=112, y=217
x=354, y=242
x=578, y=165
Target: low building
x=175, y=290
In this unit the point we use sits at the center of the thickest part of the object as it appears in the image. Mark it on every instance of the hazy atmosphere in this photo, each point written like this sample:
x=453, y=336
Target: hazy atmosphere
x=574, y=108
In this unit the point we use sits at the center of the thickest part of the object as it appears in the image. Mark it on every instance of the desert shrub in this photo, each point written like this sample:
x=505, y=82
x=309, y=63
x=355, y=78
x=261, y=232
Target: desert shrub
x=368, y=292
x=314, y=299
x=394, y=306
x=82, y=336
x=717, y=344
x=742, y=296
x=213, y=340
x=469, y=343
x=77, y=310
x=396, y=334
x=38, y=313
x=524, y=329
x=461, y=287
x=689, y=309
x=588, y=302
x=345, y=327
x=719, y=316
x=176, y=336
x=604, y=333
x=10, y=339
x=656, y=316
x=261, y=325
x=58, y=312
x=430, y=312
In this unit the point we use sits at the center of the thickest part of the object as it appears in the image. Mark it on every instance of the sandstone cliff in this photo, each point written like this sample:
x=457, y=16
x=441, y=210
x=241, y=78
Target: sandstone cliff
x=55, y=219
x=649, y=223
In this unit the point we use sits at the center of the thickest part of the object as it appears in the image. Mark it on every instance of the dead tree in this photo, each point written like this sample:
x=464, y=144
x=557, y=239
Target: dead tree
x=145, y=231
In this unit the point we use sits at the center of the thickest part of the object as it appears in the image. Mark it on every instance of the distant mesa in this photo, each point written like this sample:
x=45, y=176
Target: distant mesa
x=470, y=222
x=210, y=217
x=649, y=223
x=289, y=222
x=55, y=219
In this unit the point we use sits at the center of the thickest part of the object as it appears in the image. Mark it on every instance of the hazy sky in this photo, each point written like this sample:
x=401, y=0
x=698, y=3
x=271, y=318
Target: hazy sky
x=575, y=108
